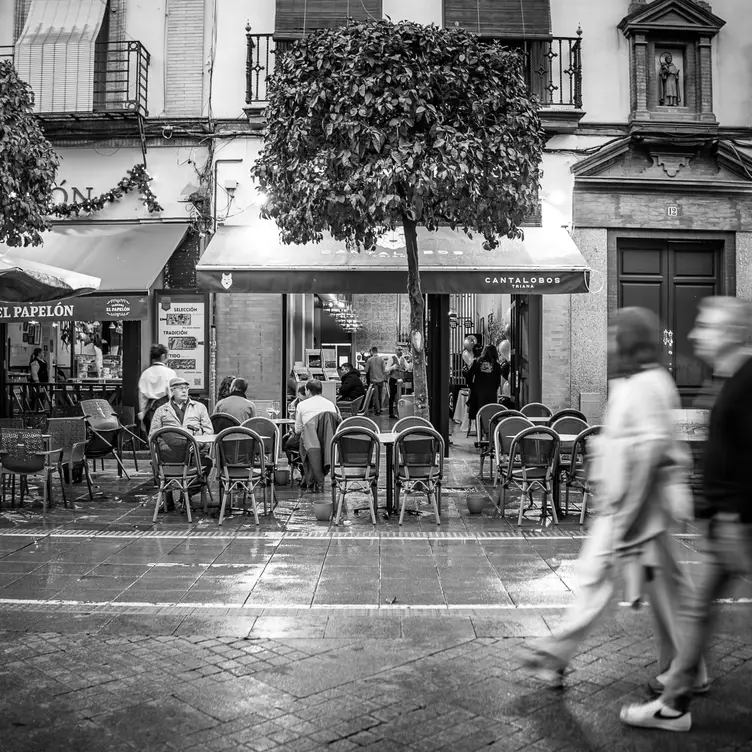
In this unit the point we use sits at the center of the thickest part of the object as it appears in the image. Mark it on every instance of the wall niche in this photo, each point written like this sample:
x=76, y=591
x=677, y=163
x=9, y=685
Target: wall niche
x=671, y=76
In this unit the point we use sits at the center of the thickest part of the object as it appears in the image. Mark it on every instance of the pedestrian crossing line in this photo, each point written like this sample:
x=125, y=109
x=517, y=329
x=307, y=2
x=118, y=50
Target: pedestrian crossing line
x=125, y=605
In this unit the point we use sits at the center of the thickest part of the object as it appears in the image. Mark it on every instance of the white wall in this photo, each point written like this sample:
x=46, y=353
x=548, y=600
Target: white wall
x=102, y=169
x=422, y=11
x=732, y=63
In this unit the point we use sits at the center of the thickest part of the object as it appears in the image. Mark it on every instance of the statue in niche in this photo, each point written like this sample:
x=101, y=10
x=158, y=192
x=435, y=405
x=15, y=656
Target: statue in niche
x=669, y=81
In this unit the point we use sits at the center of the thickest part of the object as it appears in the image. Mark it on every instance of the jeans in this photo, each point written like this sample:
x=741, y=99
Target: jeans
x=378, y=396
x=727, y=550
x=394, y=389
x=595, y=591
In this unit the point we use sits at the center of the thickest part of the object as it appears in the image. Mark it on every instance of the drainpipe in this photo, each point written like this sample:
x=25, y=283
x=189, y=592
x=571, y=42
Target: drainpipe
x=212, y=295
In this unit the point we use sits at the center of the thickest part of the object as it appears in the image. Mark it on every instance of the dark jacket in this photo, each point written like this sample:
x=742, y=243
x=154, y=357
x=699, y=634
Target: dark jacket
x=352, y=386
x=727, y=483
x=315, y=445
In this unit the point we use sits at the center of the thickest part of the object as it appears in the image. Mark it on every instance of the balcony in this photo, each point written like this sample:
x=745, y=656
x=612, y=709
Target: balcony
x=85, y=99
x=553, y=72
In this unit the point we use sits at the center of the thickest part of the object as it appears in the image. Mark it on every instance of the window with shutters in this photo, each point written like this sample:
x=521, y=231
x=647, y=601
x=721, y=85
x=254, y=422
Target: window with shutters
x=552, y=65
x=501, y=19
x=295, y=18
x=74, y=55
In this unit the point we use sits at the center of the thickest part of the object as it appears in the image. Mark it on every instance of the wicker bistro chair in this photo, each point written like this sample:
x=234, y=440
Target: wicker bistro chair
x=176, y=460
x=538, y=451
x=241, y=466
x=23, y=453
x=269, y=432
x=366, y=404
x=485, y=437
x=506, y=429
x=351, y=407
x=578, y=475
x=105, y=432
x=419, y=466
x=567, y=412
x=69, y=435
x=359, y=421
x=411, y=421
x=536, y=410
x=356, y=461
x=220, y=421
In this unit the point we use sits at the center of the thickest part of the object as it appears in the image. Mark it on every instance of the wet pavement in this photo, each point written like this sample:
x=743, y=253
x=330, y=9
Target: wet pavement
x=119, y=633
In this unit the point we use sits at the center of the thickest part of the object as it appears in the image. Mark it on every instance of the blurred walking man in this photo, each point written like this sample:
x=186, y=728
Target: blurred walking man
x=720, y=336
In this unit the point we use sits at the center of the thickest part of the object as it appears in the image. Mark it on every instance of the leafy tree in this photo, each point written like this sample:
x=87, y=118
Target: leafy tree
x=28, y=164
x=378, y=124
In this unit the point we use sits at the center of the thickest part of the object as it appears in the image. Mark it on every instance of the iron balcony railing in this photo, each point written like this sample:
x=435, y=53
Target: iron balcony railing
x=117, y=84
x=553, y=68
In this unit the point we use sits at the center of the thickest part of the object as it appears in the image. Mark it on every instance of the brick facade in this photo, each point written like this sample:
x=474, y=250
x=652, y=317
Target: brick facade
x=555, y=368
x=184, y=84
x=379, y=316
x=249, y=341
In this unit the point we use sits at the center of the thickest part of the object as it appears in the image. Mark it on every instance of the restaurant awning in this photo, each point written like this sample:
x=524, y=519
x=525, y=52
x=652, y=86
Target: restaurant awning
x=251, y=258
x=127, y=258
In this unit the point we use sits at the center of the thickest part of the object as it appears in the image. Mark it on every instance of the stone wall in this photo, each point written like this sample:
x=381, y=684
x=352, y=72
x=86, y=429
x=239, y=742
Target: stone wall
x=555, y=366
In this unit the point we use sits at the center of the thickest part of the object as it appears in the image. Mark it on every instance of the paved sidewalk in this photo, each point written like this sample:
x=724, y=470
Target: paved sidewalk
x=192, y=679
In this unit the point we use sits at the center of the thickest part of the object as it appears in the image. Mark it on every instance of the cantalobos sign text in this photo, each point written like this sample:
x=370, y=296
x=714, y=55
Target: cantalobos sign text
x=522, y=283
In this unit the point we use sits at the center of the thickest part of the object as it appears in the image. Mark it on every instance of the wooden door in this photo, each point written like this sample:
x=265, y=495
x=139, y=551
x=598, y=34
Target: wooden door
x=670, y=278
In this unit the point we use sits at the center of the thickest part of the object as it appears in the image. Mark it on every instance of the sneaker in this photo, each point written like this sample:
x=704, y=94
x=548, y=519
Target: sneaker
x=657, y=715
x=542, y=666
x=657, y=685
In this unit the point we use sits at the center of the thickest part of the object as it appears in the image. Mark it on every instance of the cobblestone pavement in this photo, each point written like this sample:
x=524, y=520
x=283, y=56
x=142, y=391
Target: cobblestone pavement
x=171, y=679
x=117, y=633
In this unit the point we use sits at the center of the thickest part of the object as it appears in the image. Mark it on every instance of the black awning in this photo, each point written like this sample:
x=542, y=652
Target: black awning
x=251, y=258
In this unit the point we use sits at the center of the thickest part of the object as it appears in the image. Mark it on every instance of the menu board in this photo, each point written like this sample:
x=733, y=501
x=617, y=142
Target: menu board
x=182, y=327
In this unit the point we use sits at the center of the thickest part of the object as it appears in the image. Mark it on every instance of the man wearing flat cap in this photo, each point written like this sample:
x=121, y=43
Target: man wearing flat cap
x=181, y=411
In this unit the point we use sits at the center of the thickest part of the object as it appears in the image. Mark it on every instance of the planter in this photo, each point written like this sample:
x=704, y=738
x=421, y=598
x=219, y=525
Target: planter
x=475, y=504
x=323, y=510
x=282, y=476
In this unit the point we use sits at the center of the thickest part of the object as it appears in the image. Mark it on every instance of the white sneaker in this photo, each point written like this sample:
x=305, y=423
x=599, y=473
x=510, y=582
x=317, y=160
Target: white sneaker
x=657, y=715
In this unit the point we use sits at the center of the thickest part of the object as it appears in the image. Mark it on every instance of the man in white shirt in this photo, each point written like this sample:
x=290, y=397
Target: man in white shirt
x=154, y=385
x=314, y=404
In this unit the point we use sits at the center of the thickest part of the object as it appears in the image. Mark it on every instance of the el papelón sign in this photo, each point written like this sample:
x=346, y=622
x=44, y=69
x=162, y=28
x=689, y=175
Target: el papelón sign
x=85, y=308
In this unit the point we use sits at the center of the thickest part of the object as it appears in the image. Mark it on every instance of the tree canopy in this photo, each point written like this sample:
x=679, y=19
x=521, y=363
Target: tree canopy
x=377, y=124
x=375, y=121
x=28, y=164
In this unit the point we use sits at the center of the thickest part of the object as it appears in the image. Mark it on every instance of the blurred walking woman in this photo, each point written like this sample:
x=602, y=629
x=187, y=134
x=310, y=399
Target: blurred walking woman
x=636, y=472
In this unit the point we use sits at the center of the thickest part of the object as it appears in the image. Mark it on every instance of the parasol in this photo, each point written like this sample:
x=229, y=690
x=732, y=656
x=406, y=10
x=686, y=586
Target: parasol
x=22, y=280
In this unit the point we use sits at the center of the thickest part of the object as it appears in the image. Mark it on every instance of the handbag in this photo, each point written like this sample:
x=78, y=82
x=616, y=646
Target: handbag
x=677, y=494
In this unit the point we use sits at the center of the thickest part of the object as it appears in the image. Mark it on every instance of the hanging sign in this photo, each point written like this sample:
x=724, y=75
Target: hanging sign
x=182, y=327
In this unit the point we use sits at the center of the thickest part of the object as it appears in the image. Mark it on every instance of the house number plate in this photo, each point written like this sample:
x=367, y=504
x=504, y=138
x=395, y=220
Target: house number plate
x=672, y=211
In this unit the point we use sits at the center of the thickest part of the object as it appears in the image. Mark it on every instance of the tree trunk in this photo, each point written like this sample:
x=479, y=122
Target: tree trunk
x=417, y=319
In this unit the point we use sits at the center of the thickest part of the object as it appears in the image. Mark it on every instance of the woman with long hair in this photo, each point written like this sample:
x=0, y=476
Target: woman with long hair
x=634, y=474
x=225, y=387
x=484, y=379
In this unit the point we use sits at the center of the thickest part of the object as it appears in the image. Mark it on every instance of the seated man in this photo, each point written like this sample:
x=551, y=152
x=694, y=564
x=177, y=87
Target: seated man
x=352, y=385
x=181, y=412
x=236, y=403
x=308, y=407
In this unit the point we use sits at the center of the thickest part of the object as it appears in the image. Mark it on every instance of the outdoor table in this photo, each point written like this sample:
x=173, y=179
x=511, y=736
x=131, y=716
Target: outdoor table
x=539, y=420
x=388, y=439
